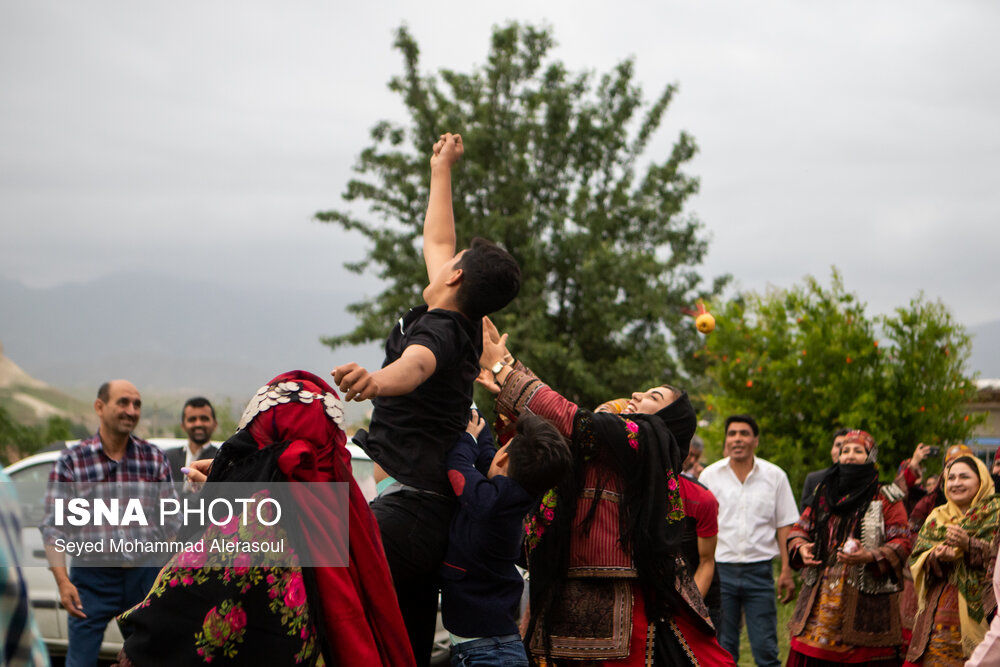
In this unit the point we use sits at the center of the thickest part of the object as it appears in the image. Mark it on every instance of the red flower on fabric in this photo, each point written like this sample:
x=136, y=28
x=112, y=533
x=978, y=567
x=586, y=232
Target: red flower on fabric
x=241, y=565
x=230, y=526
x=237, y=619
x=295, y=594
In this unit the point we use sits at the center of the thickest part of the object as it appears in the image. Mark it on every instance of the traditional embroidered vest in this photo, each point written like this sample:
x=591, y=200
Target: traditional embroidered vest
x=595, y=550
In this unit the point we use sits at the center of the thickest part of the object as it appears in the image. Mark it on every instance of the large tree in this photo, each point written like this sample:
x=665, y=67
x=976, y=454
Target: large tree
x=556, y=170
x=807, y=360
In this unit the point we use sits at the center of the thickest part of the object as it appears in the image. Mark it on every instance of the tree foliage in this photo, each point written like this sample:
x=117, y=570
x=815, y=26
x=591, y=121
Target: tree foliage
x=555, y=171
x=19, y=440
x=808, y=360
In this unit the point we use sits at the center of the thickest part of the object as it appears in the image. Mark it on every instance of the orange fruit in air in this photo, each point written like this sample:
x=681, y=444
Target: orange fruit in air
x=705, y=323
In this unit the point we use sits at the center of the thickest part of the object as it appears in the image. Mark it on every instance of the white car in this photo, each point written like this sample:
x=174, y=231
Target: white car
x=31, y=476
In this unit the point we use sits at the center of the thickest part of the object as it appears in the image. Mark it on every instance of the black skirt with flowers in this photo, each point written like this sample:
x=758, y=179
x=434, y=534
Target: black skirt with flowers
x=208, y=607
x=205, y=608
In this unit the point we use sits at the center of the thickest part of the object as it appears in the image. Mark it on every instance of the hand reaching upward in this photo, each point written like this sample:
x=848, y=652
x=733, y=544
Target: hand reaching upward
x=447, y=151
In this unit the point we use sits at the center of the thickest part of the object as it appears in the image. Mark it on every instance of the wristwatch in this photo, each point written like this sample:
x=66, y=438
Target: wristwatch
x=498, y=366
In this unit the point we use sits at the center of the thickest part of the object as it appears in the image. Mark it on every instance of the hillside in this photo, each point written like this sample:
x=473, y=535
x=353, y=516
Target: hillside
x=31, y=401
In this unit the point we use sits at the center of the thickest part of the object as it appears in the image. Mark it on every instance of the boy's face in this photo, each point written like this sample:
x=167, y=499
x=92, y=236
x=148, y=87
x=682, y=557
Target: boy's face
x=448, y=278
x=501, y=461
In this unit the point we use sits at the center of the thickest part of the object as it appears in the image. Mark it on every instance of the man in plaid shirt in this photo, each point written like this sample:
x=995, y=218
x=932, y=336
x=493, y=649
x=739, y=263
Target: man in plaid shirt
x=93, y=595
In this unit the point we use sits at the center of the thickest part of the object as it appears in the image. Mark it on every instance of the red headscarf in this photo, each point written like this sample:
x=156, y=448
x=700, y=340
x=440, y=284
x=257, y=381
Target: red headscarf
x=361, y=616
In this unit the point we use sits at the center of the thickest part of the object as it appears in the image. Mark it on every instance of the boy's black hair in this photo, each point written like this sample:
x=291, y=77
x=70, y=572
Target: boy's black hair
x=539, y=455
x=197, y=402
x=491, y=279
x=743, y=419
x=840, y=432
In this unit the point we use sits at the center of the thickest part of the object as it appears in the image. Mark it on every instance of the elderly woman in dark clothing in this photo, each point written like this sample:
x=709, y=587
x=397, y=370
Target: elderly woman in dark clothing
x=608, y=584
x=851, y=544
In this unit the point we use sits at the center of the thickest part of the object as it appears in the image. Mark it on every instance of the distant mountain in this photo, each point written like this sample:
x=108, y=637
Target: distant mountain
x=985, y=356
x=173, y=335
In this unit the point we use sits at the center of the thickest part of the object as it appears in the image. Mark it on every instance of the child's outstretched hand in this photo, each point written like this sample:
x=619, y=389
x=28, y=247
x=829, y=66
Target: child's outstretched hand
x=356, y=382
x=476, y=424
x=447, y=151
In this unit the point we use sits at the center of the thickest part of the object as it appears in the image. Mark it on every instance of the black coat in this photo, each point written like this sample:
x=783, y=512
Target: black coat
x=176, y=458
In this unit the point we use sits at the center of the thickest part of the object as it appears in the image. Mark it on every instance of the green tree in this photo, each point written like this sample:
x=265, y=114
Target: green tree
x=555, y=171
x=19, y=440
x=808, y=360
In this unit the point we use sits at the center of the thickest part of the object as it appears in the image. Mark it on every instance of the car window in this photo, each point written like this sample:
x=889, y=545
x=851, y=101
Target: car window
x=364, y=474
x=30, y=484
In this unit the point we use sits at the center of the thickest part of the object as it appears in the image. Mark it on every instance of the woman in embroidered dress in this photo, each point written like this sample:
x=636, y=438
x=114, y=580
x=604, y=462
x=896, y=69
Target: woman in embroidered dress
x=952, y=567
x=603, y=548
x=268, y=610
x=851, y=543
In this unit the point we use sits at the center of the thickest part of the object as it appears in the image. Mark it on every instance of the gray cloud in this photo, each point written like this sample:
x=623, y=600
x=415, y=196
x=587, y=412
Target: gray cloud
x=200, y=139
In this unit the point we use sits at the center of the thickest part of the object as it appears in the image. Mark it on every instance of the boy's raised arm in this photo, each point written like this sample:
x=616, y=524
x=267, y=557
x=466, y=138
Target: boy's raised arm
x=414, y=366
x=439, y=223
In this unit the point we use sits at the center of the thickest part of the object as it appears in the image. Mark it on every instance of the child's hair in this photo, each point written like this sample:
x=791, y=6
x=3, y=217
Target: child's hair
x=539, y=455
x=490, y=279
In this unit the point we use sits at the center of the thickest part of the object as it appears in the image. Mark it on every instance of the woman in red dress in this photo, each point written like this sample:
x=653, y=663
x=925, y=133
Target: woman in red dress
x=607, y=582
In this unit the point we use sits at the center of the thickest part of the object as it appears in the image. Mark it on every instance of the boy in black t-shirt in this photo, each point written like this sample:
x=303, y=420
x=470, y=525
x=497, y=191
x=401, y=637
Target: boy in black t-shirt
x=422, y=395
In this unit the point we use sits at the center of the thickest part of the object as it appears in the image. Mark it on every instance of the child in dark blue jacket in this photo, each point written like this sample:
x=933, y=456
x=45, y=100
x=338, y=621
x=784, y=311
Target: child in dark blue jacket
x=481, y=587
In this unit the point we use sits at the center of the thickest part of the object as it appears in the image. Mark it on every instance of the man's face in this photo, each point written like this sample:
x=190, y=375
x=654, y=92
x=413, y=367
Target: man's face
x=445, y=277
x=199, y=424
x=120, y=414
x=741, y=443
x=835, y=450
x=650, y=402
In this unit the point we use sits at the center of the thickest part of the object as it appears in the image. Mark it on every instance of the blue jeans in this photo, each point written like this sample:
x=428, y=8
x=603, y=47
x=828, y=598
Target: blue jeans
x=749, y=588
x=105, y=592
x=506, y=651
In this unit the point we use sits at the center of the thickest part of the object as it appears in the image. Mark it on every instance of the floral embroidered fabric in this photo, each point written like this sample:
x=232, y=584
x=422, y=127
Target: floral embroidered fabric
x=218, y=610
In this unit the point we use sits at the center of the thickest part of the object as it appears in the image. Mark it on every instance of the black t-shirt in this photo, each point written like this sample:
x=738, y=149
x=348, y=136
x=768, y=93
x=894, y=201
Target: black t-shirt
x=410, y=435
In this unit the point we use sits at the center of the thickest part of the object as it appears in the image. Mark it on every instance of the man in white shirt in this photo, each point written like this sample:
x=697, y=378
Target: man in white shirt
x=756, y=510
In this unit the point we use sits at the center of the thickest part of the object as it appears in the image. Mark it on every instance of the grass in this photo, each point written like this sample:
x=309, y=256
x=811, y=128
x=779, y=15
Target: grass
x=784, y=613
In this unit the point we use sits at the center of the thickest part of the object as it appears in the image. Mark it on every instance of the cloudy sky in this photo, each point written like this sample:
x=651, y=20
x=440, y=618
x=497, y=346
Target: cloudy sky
x=197, y=139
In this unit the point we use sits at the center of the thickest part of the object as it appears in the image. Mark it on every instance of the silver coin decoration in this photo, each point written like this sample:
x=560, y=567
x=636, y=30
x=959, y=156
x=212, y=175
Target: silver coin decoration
x=269, y=396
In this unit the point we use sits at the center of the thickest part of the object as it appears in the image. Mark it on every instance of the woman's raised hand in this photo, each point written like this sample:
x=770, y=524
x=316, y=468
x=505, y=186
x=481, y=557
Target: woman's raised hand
x=198, y=472
x=494, y=345
x=488, y=380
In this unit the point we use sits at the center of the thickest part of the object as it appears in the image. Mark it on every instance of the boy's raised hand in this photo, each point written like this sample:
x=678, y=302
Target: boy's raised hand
x=355, y=382
x=447, y=151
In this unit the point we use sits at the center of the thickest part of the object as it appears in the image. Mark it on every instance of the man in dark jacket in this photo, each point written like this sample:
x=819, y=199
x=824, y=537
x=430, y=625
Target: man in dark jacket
x=813, y=478
x=198, y=421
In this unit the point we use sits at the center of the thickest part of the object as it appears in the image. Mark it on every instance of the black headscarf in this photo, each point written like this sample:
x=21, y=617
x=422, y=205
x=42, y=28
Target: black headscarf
x=845, y=492
x=644, y=529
